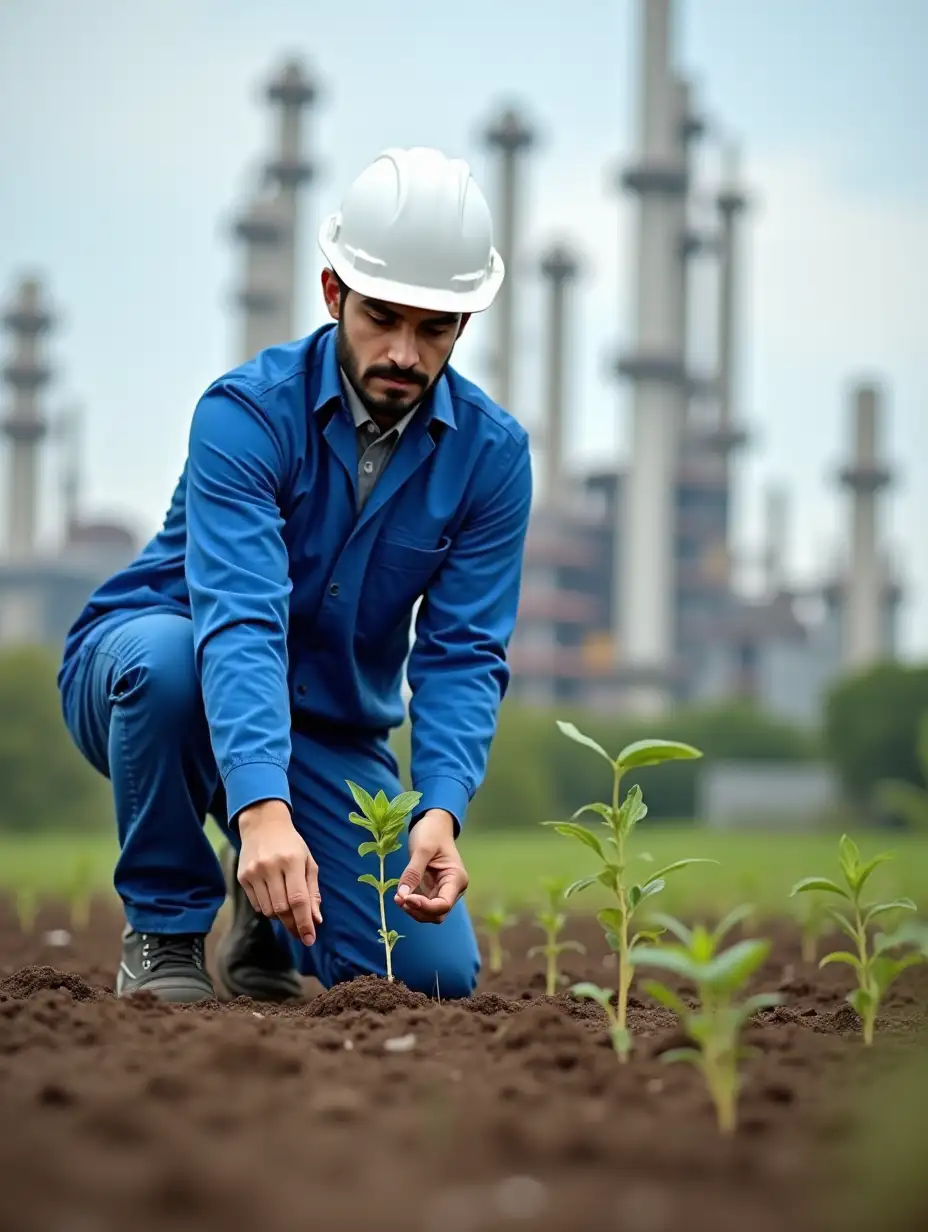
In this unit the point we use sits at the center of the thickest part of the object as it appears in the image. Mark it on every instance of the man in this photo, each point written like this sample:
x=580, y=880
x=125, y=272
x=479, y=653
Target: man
x=249, y=662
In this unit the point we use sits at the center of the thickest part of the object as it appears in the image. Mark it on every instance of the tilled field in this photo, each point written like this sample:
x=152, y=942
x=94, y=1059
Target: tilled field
x=369, y=1107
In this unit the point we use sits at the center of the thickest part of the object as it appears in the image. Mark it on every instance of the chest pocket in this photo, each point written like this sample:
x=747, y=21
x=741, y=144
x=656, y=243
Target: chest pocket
x=397, y=574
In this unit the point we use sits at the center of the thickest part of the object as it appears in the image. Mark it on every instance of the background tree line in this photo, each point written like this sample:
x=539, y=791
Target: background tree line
x=870, y=734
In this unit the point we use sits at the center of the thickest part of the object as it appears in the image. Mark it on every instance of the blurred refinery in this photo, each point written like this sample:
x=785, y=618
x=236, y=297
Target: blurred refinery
x=633, y=596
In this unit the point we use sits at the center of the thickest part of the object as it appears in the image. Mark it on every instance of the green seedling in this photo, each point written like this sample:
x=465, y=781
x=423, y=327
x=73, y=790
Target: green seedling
x=813, y=917
x=875, y=969
x=385, y=820
x=80, y=895
x=27, y=909
x=492, y=926
x=620, y=819
x=719, y=976
x=551, y=920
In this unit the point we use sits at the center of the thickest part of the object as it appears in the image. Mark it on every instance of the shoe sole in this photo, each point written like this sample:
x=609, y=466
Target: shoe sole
x=174, y=992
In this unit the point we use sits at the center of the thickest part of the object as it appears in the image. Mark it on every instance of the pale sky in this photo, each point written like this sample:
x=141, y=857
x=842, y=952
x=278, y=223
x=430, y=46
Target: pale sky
x=130, y=134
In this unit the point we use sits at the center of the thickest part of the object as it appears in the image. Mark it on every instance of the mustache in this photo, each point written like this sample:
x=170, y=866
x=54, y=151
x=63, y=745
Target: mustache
x=391, y=373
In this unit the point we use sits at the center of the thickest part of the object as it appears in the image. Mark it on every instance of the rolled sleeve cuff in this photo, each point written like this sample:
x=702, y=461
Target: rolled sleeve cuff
x=442, y=792
x=252, y=782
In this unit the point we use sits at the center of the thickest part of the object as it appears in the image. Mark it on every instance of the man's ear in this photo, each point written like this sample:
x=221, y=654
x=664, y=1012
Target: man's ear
x=332, y=293
x=464, y=319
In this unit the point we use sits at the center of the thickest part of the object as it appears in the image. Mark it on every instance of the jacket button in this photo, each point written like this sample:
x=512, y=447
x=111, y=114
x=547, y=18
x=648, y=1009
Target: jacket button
x=333, y=589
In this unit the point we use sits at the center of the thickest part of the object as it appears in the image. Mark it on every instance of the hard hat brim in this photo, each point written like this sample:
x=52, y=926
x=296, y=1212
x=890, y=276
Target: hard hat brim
x=429, y=299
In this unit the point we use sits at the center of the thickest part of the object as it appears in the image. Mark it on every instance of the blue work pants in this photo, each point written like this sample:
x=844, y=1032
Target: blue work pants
x=134, y=709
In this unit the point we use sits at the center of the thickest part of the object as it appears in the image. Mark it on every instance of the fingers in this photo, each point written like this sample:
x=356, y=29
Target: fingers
x=413, y=874
x=432, y=909
x=302, y=890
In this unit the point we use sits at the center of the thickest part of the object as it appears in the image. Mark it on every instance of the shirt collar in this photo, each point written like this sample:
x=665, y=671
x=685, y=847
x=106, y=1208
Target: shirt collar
x=360, y=414
x=437, y=405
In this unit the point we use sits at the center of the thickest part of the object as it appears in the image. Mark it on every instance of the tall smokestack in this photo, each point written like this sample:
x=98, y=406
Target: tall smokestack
x=25, y=426
x=776, y=513
x=262, y=298
x=559, y=266
x=293, y=92
x=864, y=478
x=511, y=136
x=645, y=641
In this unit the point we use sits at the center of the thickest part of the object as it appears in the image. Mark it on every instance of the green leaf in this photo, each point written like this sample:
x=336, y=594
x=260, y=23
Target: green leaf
x=912, y=932
x=729, y=970
x=609, y=877
x=729, y=921
x=843, y=923
x=861, y=1000
x=363, y=800
x=572, y=733
x=762, y=1001
x=654, y=752
x=358, y=820
x=611, y=917
x=885, y=971
x=389, y=885
x=371, y=880
x=576, y=886
x=575, y=946
x=668, y=960
x=583, y=835
x=677, y=864
x=592, y=991
x=899, y=904
x=691, y=1056
x=651, y=935
x=654, y=886
x=601, y=810
x=662, y=994
x=402, y=805
x=679, y=930
x=825, y=884
x=841, y=956
x=849, y=856
x=864, y=872
x=367, y=849
x=633, y=810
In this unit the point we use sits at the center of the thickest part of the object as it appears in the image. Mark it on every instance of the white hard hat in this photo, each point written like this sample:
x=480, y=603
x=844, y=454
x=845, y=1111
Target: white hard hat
x=415, y=229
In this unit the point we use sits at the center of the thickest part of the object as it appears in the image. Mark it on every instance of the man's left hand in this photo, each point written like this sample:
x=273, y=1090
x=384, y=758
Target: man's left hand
x=435, y=877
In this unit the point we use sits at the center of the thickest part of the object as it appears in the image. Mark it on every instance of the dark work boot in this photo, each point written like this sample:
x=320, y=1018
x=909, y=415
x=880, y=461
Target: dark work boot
x=251, y=961
x=171, y=967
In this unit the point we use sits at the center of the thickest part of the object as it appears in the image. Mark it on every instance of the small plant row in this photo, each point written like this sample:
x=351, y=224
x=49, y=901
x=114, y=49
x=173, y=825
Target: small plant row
x=719, y=976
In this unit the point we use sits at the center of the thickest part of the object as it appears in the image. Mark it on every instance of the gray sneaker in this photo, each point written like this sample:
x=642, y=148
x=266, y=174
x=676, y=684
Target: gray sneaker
x=251, y=960
x=170, y=966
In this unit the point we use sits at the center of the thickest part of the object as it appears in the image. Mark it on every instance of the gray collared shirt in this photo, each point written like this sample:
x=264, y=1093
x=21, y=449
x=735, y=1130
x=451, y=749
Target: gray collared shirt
x=374, y=447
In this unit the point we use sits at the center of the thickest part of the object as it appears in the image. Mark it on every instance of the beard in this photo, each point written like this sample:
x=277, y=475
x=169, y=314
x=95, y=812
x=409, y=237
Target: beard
x=391, y=406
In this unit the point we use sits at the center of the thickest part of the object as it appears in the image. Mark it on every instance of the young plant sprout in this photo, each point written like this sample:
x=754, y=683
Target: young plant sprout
x=620, y=819
x=27, y=909
x=715, y=1025
x=875, y=969
x=385, y=820
x=551, y=920
x=80, y=894
x=492, y=926
x=812, y=918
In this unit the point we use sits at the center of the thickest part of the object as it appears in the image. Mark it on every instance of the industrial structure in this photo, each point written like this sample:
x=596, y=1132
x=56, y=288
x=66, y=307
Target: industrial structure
x=632, y=597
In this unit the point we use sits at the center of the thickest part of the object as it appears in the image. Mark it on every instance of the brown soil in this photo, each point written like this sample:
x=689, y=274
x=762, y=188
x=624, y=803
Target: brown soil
x=370, y=1107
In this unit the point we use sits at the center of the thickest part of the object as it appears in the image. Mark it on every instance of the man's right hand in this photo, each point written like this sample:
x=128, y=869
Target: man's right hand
x=277, y=871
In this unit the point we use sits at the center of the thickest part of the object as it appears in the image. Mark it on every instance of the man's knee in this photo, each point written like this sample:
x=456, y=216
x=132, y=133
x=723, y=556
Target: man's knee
x=158, y=675
x=442, y=972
